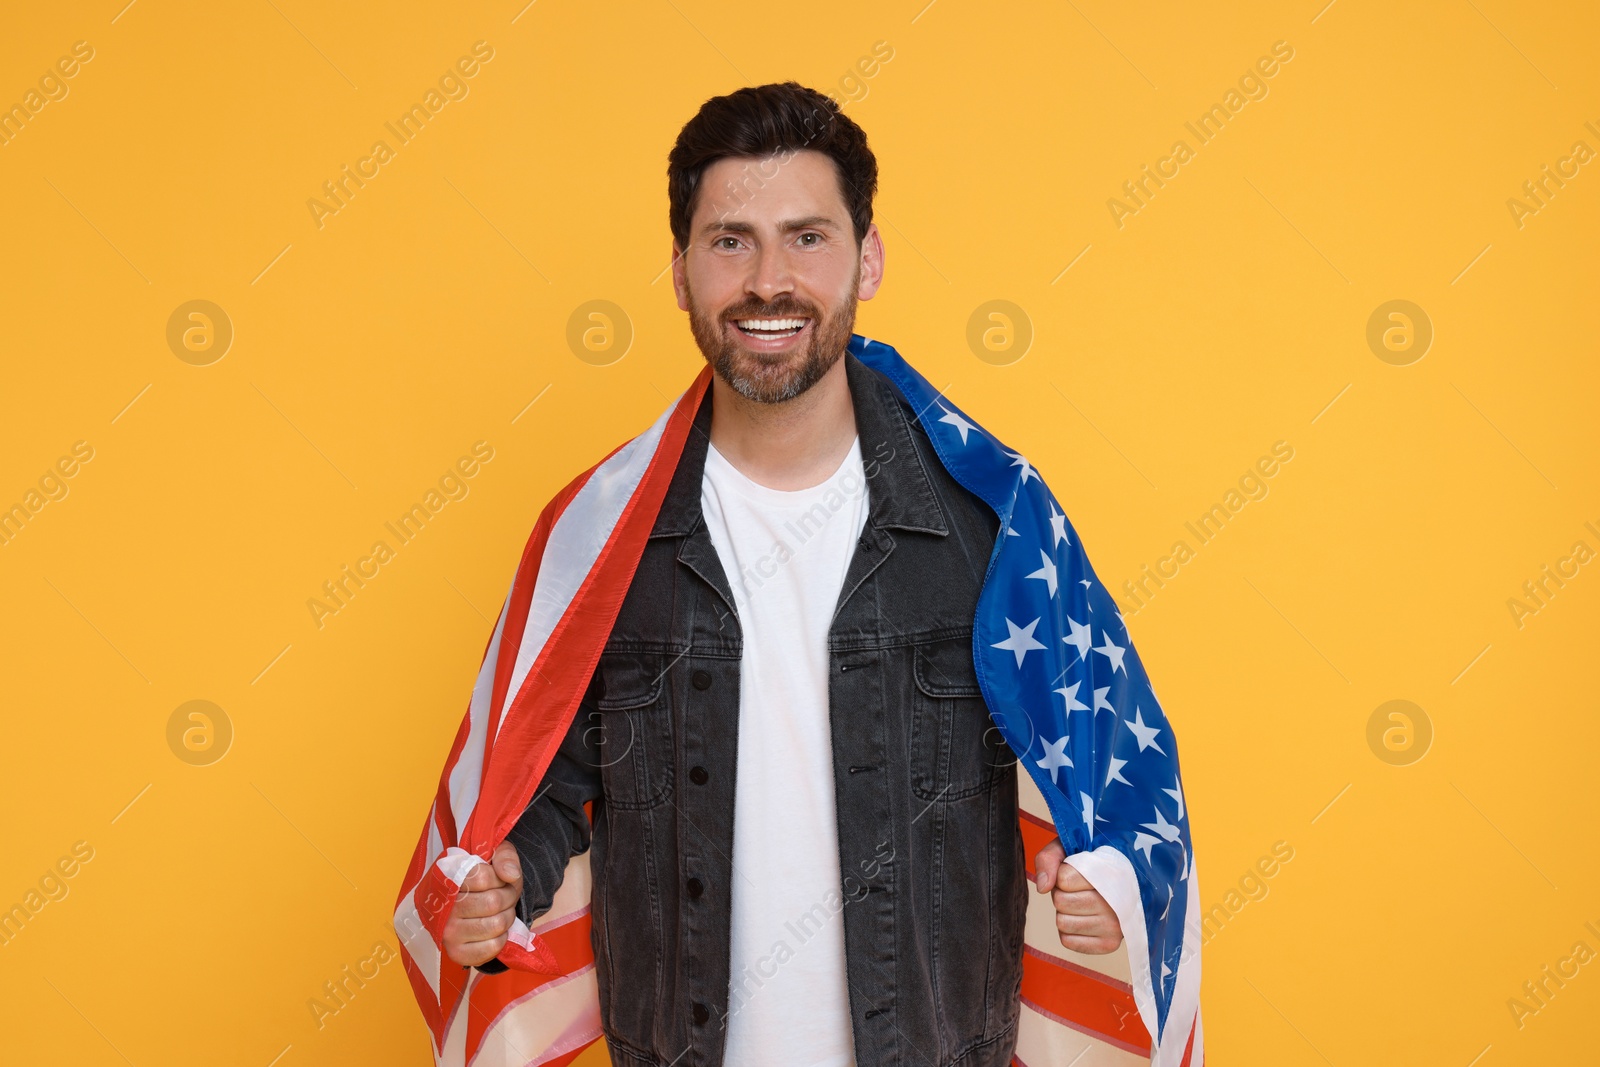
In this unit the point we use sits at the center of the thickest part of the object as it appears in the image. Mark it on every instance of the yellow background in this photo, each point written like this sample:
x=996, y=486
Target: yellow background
x=430, y=311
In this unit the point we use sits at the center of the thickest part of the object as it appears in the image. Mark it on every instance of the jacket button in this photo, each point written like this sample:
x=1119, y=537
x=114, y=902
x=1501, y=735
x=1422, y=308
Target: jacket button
x=700, y=1013
x=694, y=887
x=698, y=775
x=701, y=679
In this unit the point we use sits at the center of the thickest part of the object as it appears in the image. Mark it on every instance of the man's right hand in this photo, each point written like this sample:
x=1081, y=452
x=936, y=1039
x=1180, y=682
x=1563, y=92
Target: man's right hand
x=476, y=930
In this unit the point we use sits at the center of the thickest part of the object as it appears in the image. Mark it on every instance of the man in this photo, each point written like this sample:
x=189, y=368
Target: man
x=805, y=846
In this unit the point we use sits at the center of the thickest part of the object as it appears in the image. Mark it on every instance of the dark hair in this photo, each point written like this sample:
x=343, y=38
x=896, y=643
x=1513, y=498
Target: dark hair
x=761, y=120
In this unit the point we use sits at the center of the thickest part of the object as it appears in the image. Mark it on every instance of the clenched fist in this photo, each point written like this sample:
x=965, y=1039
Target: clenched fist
x=476, y=930
x=1084, y=920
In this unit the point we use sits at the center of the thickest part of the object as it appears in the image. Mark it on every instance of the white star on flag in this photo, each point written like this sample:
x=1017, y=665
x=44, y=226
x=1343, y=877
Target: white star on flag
x=1055, y=756
x=1027, y=468
x=1115, y=774
x=1100, y=700
x=1021, y=640
x=1058, y=526
x=1176, y=792
x=1113, y=652
x=1161, y=826
x=1144, y=842
x=1073, y=703
x=1171, y=833
x=957, y=421
x=1088, y=812
x=1145, y=734
x=1080, y=638
x=1046, y=572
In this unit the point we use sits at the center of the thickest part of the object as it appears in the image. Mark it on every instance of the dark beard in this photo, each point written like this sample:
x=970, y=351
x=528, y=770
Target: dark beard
x=769, y=380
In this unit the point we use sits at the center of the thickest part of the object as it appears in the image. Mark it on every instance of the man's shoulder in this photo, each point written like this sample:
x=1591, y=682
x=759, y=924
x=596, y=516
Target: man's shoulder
x=955, y=499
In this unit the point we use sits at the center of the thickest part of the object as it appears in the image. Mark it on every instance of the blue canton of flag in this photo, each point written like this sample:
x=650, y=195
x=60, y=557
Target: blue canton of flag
x=1067, y=689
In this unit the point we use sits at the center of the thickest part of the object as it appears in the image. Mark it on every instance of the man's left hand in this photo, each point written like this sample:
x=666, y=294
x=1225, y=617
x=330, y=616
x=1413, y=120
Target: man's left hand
x=1084, y=920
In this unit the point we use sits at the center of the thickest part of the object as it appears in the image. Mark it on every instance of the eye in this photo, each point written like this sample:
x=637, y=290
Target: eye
x=718, y=243
x=812, y=233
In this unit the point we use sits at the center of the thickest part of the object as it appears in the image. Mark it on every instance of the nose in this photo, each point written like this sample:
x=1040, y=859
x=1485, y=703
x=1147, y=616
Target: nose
x=771, y=274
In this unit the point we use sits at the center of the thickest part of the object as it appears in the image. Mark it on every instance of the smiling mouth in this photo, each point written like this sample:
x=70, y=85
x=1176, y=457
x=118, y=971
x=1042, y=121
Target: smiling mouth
x=770, y=329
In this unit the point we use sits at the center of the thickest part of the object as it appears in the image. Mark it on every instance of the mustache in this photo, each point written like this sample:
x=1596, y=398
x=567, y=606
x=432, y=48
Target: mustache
x=778, y=311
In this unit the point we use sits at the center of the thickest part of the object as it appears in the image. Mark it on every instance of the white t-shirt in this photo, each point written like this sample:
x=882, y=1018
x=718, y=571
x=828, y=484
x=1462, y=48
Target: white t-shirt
x=785, y=556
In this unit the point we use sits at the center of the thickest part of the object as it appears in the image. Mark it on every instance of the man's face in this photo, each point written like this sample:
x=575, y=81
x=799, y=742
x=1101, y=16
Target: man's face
x=773, y=272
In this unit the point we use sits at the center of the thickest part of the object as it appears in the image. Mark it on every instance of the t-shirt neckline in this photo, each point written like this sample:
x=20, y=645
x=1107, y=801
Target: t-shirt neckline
x=750, y=488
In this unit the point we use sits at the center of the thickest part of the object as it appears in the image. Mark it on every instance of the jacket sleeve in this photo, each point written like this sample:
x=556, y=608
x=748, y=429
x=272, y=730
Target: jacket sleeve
x=554, y=826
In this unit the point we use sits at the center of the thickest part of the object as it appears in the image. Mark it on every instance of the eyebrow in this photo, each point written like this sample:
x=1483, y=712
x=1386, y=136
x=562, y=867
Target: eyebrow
x=819, y=222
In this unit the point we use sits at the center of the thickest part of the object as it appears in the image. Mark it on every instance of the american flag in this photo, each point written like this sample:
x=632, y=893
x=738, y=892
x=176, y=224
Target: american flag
x=1057, y=670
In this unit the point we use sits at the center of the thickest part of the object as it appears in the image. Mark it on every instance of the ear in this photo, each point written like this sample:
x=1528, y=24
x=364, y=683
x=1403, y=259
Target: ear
x=678, y=267
x=871, y=264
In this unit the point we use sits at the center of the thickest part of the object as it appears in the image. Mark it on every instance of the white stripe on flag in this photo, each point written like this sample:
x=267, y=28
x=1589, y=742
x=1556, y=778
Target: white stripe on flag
x=417, y=941
x=1186, y=991
x=571, y=899
x=1112, y=875
x=435, y=842
x=454, y=1052
x=1040, y=931
x=554, y=1019
x=1044, y=1042
x=577, y=539
x=466, y=777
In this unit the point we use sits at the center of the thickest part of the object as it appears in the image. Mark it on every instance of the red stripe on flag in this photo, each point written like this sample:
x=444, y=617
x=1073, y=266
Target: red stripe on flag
x=506, y=785
x=444, y=814
x=494, y=993
x=530, y=737
x=521, y=597
x=434, y=901
x=530, y=734
x=1086, y=1001
x=1188, y=1050
x=425, y=998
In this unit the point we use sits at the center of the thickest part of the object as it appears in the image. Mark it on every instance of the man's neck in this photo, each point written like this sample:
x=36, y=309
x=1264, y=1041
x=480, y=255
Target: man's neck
x=788, y=446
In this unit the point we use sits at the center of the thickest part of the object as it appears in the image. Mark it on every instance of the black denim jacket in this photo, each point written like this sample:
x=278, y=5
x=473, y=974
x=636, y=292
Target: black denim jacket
x=929, y=849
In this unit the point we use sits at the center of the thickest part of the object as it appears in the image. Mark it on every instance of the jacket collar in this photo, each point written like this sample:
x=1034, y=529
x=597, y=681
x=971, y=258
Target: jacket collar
x=899, y=493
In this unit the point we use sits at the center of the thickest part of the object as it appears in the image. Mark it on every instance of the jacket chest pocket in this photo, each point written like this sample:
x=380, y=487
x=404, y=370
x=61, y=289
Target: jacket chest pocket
x=634, y=718
x=956, y=749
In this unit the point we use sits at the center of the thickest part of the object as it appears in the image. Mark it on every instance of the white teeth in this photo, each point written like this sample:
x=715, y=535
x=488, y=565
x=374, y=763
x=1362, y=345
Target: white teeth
x=770, y=324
